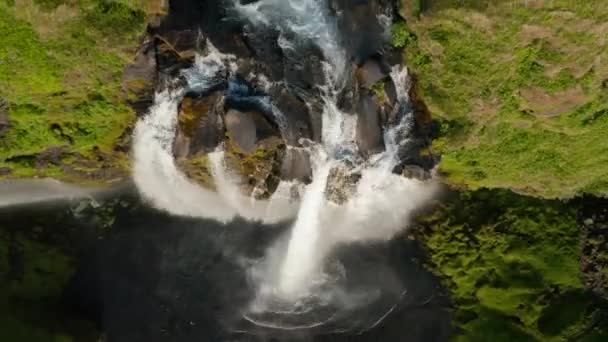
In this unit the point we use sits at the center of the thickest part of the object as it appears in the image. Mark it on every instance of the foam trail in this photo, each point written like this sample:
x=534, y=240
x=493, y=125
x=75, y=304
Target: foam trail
x=155, y=172
x=164, y=185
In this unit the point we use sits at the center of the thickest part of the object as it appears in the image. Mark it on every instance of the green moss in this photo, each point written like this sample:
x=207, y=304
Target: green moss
x=62, y=77
x=378, y=89
x=30, y=291
x=511, y=263
x=484, y=69
x=401, y=36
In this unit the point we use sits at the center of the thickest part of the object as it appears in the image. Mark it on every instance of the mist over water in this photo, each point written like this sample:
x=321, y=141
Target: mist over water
x=298, y=276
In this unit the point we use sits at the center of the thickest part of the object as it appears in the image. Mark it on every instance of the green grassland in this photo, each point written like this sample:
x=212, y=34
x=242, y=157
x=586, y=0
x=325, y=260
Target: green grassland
x=520, y=89
x=512, y=265
x=60, y=69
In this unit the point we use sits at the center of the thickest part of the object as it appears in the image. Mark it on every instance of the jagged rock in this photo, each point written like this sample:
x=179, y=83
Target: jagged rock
x=264, y=44
x=303, y=69
x=139, y=78
x=415, y=172
x=359, y=26
x=296, y=165
x=4, y=121
x=369, y=73
x=200, y=127
x=242, y=130
x=296, y=113
x=183, y=42
x=341, y=184
x=169, y=59
x=369, y=136
x=52, y=155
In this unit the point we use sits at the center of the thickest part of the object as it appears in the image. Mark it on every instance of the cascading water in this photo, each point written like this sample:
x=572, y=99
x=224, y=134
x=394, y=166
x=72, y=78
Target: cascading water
x=295, y=275
x=165, y=186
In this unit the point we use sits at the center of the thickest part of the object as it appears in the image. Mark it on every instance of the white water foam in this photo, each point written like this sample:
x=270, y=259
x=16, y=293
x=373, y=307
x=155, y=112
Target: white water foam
x=295, y=269
x=383, y=202
x=166, y=187
x=306, y=20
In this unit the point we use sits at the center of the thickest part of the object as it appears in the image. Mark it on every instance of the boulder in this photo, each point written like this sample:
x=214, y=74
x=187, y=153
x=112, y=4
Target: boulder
x=415, y=172
x=296, y=165
x=369, y=137
x=369, y=73
x=359, y=23
x=296, y=114
x=139, y=78
x=184, y=42
x=341, y=183
x=200, y=127
x=170, y=60
x=265, y=47
x=4, y=121
x=241, y=129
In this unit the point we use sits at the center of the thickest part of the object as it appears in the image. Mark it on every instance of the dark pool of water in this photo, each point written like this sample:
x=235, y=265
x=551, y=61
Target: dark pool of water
x=152, y=277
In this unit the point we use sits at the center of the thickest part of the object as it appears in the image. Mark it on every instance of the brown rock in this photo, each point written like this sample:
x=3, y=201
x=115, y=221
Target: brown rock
x=296, y=165
x=139, y=78
x=341, y=184
x=242, y=129
x=200, y=127
x=369, y=131
x=369, y=73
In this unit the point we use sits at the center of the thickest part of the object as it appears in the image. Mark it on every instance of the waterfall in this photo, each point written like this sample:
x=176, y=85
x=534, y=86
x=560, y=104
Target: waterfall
x=294, y=270
x=165, y=186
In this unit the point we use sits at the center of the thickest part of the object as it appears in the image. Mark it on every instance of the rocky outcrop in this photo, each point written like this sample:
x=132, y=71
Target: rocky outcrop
x=593, y=217
x=272, y=100
x=341, y=184
x=4, y=121
x=200, y=126
x=241, y=129
x=139, y=78
x=296, y=165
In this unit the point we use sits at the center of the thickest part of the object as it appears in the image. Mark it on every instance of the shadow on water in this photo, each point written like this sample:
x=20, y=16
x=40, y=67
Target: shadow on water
x=147, y=276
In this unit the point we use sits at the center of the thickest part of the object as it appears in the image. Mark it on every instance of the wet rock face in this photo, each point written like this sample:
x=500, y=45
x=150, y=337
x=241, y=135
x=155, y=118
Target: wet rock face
x=341, y=184
x=369, y=130
x=296, y=165
x=274, y=71
x=242, y=130
x=361, y=28
x=200, y=126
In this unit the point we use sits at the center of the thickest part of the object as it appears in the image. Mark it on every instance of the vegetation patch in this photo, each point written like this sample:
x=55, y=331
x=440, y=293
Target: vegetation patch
x=60, y=68
x=519, y=90
x=512, y=265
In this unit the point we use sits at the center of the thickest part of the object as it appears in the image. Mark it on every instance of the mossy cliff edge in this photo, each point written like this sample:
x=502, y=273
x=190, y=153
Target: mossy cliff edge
x=519, y=91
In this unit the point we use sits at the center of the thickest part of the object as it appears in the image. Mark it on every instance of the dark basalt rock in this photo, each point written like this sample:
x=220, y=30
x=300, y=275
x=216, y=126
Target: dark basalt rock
x=241, y=129
x=296, y=165
x=139, y=78
x=200, y=127
x=361, y=30
x=266, y=50
x=369, y=135
x=297, y=114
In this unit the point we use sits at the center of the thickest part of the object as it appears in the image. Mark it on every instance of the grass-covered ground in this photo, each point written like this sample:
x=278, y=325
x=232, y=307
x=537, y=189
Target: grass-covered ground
x=512, y=265
x=60, y=70
x=520, y=89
